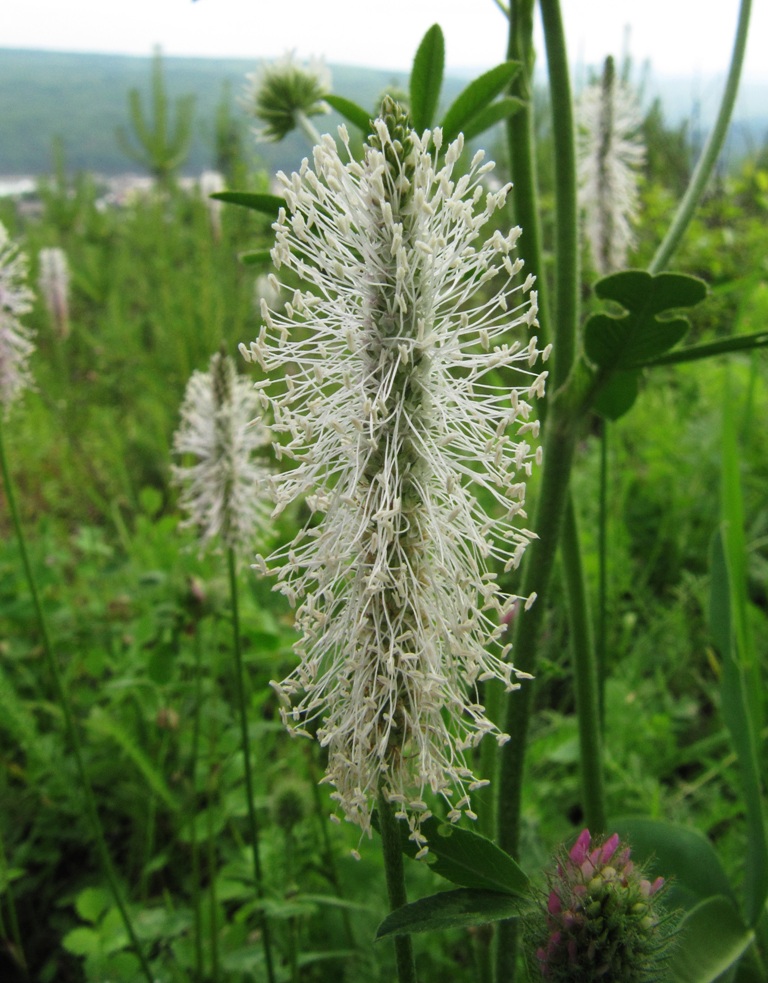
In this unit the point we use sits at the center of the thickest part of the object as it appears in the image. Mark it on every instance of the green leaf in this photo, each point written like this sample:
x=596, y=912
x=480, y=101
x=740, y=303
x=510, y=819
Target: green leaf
x=617, y=396
x=739, y=343
x=355, y=114
x=497, y=111
x=467, y=858
x=627, y=341
x=82, y=941
x=710, y=940
x=92, y=902
x=678, y=852
x=427, y=78
x=741, y=687
x=476, y=97
x=266, y=204
x=451, y=909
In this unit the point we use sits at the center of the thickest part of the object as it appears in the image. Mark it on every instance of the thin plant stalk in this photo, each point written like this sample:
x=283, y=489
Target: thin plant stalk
x=561, y=430
x=602, y=568
x=89, y=800
x=521, y=148
x=585, y=677
x=395, y=877
x=243, y=714
x=15, y=933
x=195, y=845
x=328, y=857
x=213, y=903
x=711, y=151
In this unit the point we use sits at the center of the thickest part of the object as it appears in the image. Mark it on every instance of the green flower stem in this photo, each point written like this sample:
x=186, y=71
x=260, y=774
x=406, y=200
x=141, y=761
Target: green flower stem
x=522, y=154
x=585, y=678
x=560, y=434
x=243, y=713
x=559, y=446
x=197, y=909
x=69, y=724
x=602, y=586
x=566, y=309
x=307, y=127
x=393, y=869
x=711, y=151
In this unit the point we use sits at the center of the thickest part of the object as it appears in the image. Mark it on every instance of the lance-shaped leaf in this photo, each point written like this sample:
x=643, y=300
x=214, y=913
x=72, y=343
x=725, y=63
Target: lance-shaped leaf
x=467, y=858
x=351, y=112
x=452, y=909
x=626, y=341
x=477, y=97
x=266, y=204
x=498, y=111
x=427, y=78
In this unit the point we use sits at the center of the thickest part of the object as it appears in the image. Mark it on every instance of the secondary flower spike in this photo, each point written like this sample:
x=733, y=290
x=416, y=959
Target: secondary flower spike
x=383, y=371
x=603, y=919
x=224, y=491
x=610, y=154
x=15, y=339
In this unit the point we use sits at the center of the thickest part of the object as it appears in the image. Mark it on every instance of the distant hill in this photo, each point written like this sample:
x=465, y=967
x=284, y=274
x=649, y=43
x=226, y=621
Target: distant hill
x=83, y=98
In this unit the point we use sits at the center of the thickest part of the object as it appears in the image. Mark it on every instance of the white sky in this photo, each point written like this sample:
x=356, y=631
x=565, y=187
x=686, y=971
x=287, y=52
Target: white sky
x=681, y=37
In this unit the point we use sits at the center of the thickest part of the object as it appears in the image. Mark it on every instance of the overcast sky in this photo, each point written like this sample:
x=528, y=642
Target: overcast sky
x=680, y=37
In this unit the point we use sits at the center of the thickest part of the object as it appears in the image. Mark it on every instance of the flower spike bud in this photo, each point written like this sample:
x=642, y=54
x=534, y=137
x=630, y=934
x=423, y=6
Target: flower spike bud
x=284, y=94
x=15, y=338
x=610, y=154
x=601, y=920
x=225, y=492
x=385, y=404
x=54, y=287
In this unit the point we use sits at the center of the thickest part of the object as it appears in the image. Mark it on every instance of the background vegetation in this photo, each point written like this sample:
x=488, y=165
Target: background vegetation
x=140, y=620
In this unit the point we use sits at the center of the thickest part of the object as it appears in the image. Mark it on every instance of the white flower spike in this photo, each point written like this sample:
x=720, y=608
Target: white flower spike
x=225, y=492
x=53, y=281
x=609, y=157
x=15, y=339
x=381, y=388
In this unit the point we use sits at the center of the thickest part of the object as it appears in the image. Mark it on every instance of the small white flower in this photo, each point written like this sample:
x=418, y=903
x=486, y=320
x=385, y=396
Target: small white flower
x=15, y=339
x=609, y=157
x=283, y=95
x=53, y=280
x=383, y=391
x=223, y=493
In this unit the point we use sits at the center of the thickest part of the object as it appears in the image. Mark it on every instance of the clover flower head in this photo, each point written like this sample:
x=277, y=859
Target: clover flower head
x=283, y=95
x=602, y=918
x=224, y=493
x=382, y=388
x=610, y=154
x=15, y=338
x=53, y=280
